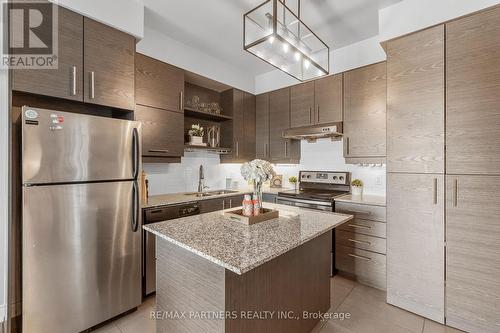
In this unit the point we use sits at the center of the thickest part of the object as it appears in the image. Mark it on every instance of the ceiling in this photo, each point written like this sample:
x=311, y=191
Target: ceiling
x=215, y=26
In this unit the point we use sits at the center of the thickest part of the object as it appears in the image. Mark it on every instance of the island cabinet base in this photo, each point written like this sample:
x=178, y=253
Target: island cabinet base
x=196, y=295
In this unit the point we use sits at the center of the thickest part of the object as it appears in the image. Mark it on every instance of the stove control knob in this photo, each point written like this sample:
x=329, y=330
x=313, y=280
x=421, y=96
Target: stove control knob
x=303, y=176
x=334, y=177
x=308, y=176
x=341, y=178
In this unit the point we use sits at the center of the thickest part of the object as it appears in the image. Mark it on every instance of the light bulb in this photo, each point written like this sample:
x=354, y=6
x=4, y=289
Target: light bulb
x=307, y=63
x=271, y=39
x=297, y=56
x=285, y=47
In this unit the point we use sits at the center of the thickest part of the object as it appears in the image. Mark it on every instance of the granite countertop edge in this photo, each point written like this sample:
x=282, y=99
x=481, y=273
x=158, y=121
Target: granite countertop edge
x=370, y=200
x=245, y=269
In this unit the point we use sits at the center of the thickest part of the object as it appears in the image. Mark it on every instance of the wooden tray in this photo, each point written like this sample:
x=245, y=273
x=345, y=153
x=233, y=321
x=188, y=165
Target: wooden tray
x=265, y=215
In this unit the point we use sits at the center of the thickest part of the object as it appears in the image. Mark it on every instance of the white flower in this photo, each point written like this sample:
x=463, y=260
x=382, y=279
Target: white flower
x=257, y=170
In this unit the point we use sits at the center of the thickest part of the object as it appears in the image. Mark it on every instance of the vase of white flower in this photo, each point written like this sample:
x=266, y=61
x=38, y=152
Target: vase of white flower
x=257, y=171
x=196, y=135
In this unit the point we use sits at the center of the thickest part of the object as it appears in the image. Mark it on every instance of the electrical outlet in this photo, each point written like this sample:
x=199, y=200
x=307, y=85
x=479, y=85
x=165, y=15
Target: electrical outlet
x=379, y=180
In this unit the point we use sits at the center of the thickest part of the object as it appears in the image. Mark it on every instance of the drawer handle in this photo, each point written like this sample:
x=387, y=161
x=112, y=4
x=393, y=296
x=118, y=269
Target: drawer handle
x=359, y=242
x=156, y=211
x=359, y=257
x=158, y=150
x=357, y=212
x=359, y=226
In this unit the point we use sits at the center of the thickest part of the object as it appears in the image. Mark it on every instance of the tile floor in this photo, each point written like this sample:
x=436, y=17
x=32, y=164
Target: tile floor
x=369, y=314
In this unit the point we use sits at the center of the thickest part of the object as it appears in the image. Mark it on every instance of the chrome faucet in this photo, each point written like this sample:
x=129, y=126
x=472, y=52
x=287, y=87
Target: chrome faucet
x=201, y=181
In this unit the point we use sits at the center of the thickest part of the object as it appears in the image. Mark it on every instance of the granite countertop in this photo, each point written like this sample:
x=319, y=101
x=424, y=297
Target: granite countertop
x=187, y=197
x=373, y=200
x=240, y=248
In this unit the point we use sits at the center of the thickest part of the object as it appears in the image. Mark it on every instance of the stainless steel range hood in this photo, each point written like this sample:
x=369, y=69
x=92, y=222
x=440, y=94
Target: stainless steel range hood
x=314, y=132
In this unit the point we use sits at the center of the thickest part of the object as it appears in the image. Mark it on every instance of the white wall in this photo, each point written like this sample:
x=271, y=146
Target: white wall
x=363, y=53
x=323, y=155
x=164, y=48
x=413, y=15
x=128, y=16
x=4, y=158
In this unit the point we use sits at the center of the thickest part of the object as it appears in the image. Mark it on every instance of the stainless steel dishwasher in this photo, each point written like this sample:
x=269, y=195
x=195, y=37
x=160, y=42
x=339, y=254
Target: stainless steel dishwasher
x=153, y=215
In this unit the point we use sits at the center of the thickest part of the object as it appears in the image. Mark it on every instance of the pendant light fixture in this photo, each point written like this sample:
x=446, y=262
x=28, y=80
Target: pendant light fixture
x=275, y=34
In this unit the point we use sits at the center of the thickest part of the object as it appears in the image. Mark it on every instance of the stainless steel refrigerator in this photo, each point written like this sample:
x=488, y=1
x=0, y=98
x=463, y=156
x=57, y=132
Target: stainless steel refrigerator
x=81, y=220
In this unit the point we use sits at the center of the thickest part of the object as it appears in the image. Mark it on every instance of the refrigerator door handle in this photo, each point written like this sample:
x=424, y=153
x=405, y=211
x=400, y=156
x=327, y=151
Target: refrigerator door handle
x=135, y=153
x=135, y=207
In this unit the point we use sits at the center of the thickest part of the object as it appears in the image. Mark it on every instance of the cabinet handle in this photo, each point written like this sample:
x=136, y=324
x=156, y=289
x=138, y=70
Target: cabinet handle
x=455, y=193
x=359, y=257
x=435, y=191
x=317, y=115
x=310, y=115
x=230, y=203
x=348, y=148
x=158, y=150
x=92, y=85
x=237, y=149
x=359, y=242
x=73, y=81
x=359, y=226
x=354, y=212
x=223, y=204
x=286, y=148
x=181, y=100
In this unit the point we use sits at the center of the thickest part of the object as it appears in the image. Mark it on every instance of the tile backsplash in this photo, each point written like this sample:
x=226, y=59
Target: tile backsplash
x=319, y=156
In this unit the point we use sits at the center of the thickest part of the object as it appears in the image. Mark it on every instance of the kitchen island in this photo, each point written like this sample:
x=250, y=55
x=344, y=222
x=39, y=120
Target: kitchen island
x=218, y=275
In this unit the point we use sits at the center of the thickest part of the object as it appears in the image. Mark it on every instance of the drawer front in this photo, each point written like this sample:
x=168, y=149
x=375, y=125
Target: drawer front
x=368, y=267
x=366, y=212
x=266, y=197
x=360, y=241
x=365, y=227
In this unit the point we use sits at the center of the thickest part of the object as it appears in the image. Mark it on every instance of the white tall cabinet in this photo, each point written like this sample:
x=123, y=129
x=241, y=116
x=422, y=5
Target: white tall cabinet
x=443, y=159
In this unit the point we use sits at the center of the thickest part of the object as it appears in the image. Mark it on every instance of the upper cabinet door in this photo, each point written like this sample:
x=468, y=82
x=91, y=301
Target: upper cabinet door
x=365, y=111
x=162, y=132
x=109, y=66
x=473, y=253
x=328, y=99
x=262, y=126
x=473, y=94
x=158, y=84
x=279, y=120
x=302, y=104
x=249, y=122
x=67, y=80
x=415, y=102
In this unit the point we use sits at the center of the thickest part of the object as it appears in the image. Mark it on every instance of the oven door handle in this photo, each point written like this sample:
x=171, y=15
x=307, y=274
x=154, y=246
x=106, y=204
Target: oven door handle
x=305, y=204
x=309, y=202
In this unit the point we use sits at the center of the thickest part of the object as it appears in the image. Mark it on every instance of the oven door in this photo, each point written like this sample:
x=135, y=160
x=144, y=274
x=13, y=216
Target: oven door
x=303, y=203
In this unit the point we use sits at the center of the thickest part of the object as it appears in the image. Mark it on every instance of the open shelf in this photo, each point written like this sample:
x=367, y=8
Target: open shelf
x=190, y=112
x=215, y=150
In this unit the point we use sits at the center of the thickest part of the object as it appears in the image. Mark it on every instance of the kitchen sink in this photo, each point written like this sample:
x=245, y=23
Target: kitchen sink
x=211, y=193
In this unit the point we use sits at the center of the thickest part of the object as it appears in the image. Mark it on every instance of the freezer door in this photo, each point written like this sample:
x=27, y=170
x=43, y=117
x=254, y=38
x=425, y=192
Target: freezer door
x=81, y=259
x=61, y=147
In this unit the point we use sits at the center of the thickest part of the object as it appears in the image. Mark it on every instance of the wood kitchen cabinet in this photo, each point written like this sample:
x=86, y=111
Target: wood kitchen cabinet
x=316, y=102
x=239, y=132
x=162, y=132
x=415, y=243
x=262, y=126
x=109, y=66
x=328, y=99
x=67, y=80
x=365, y=114
x=473, y=253
x=158, y=84
x=302, y=109
x=472, y=94
x=213, y=205
x=281, y=150
x=415, y=102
